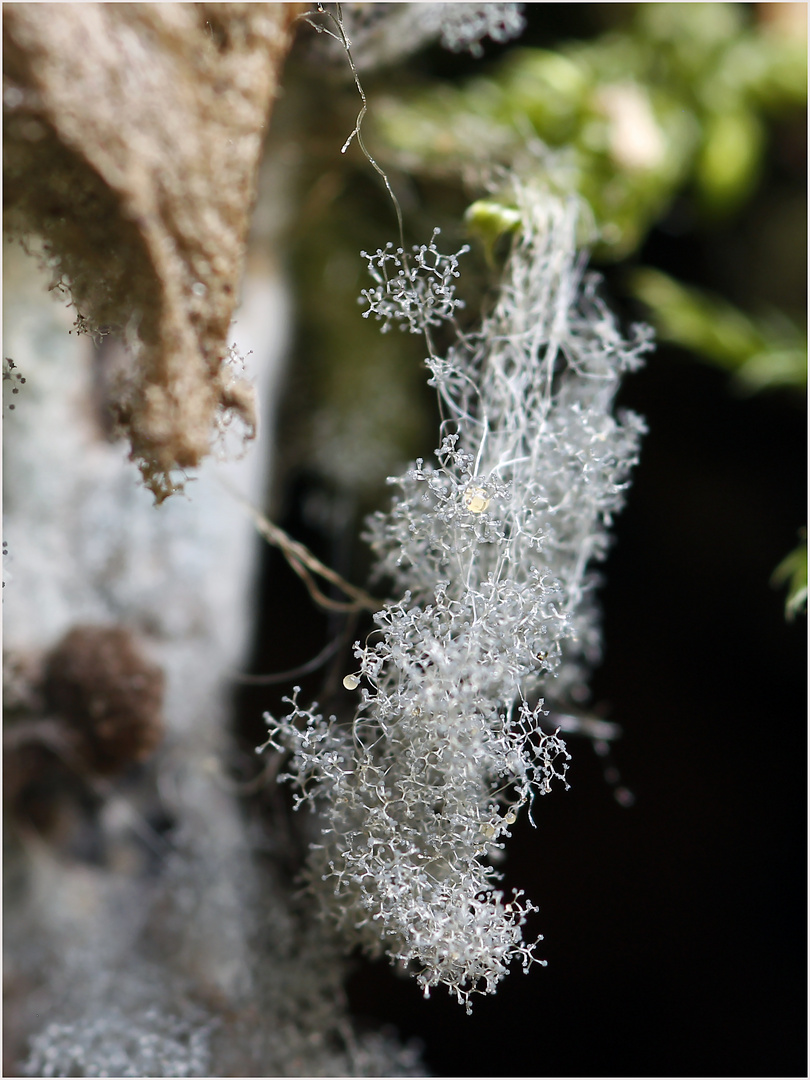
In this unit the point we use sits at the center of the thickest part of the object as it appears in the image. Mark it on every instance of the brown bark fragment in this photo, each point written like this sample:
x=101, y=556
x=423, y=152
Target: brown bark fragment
x=112, y=697
x=132, y=138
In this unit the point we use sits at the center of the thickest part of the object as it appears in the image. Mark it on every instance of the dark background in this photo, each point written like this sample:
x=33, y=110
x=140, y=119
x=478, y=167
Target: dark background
x=675, y=929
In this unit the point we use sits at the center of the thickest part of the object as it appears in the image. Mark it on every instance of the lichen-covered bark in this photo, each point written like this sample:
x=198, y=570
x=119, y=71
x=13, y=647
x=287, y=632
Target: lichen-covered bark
x=144, y=933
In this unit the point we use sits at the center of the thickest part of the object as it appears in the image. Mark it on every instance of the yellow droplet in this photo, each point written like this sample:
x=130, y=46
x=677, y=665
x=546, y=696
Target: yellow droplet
x=476, y=500
x=351, y=682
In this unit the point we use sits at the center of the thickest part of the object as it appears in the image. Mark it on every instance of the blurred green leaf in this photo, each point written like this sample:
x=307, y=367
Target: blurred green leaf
x=762, y=354
x=675, y=98
x=728, y=164
x=793, y=569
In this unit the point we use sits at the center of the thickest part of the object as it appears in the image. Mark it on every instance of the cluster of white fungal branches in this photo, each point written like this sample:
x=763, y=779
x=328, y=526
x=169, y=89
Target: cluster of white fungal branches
x=489, y=551
x=413, y=291
x=385, y=33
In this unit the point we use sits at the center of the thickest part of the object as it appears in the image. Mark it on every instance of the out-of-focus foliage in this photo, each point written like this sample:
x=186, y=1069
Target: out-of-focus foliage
x=764, y=353
x=793, y=569
x=676, y=98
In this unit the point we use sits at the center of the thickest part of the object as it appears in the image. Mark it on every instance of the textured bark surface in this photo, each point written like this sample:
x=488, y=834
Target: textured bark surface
x=143, y=934
x=132, y=139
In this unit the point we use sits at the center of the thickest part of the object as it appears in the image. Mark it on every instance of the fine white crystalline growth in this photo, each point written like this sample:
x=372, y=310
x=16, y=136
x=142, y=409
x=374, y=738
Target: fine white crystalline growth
x=464, y=26
x=489, y=550
x=414, y=291
x=385, y=34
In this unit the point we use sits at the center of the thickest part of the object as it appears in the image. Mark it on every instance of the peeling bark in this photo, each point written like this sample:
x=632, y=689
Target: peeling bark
x=132, y=139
